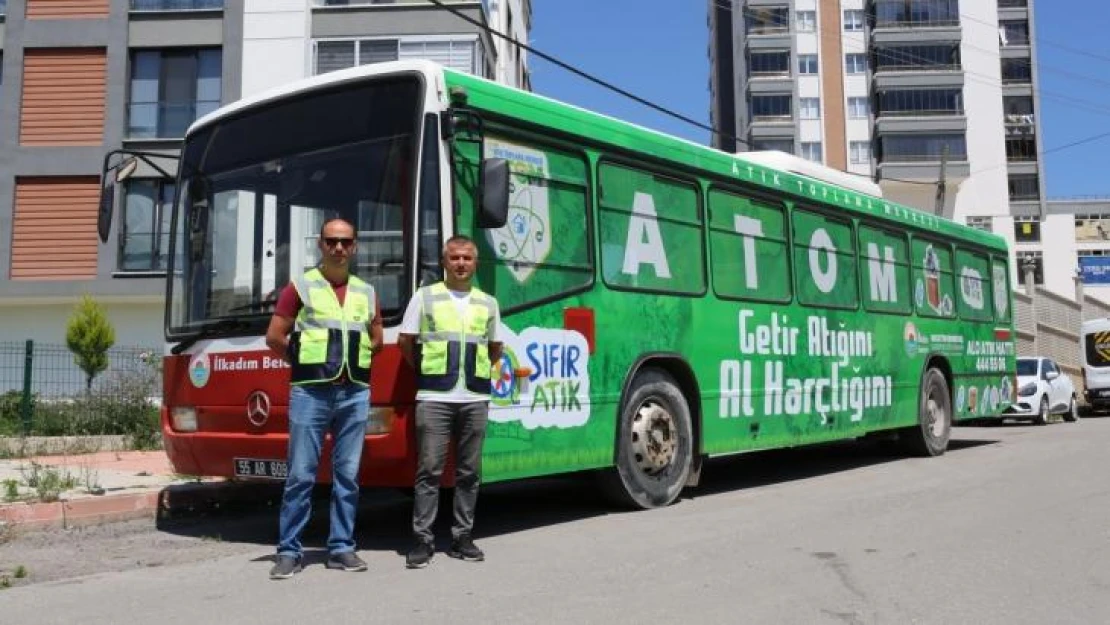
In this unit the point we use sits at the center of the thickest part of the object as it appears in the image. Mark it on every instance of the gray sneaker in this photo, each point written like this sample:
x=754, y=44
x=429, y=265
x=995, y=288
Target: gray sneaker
x=346, y=561
x=285, y=567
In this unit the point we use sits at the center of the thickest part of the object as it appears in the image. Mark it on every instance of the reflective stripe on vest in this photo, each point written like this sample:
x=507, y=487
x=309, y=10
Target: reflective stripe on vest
x=329, y=339
x=446, y=339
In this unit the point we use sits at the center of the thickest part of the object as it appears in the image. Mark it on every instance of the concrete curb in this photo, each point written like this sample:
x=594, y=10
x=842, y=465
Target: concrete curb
x=177, y=501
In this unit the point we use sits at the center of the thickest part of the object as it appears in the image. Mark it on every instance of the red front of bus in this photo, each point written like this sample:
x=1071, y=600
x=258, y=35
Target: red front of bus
x=226, y=414
x=256, y=184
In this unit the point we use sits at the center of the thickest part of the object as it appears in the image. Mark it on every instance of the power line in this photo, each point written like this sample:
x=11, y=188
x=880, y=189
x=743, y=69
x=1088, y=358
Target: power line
x=583, y=74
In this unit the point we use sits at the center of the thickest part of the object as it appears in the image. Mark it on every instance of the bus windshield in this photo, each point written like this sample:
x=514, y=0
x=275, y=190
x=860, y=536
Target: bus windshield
x=257, y=187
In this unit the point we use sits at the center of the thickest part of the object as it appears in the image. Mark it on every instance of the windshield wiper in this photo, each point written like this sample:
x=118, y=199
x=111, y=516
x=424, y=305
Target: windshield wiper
x=207, y=330
x=260, y=305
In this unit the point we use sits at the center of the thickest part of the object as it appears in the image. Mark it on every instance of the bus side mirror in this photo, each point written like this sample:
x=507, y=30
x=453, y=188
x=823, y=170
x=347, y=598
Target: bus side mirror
x=104, y=211
x=494, y=210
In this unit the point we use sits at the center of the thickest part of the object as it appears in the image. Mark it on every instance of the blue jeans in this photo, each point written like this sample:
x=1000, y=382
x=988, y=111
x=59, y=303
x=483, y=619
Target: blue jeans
x=315, y=410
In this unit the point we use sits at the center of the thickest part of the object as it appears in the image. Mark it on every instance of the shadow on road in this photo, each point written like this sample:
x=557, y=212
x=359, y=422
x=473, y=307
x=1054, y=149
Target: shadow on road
x=384, y=518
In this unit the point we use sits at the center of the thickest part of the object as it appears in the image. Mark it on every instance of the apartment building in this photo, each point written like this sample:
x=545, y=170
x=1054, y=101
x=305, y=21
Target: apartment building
x=908, y=93
x=81, y=77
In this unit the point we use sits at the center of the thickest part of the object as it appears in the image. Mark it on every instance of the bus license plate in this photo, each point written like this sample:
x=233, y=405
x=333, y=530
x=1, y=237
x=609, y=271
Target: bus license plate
x=254, y=467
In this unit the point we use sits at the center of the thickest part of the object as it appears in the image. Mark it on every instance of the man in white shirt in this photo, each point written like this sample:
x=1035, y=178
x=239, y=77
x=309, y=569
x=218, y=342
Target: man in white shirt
x=449, y=335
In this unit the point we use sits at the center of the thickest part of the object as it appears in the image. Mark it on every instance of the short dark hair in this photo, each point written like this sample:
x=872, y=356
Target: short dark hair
x=458, y=239
x=332, y=218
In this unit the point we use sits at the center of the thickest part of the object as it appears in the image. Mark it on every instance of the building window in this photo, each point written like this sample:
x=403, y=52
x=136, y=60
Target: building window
x=769, y=63
x=782, y=145
x=920, y=102
x=770, y=107
x=858, y=108
x=1027, y=230
x=144, y=239
x=809, y=108
x=171, y=5
x=860, y=152
x=170, y=89
x=915, y=148
x=807, y=63
x=805, y=21
x=767, y=21
x=855, y=63
x=1021, y=148
x=1092, y=228
x=853, y=20
x=811, y=151
x=1024, y=187
x=910, y=14
x=460, y=54
x=981, y=223
x=914, y=58
x=1013, y=32
x=1034, y=261
x=1016, y=71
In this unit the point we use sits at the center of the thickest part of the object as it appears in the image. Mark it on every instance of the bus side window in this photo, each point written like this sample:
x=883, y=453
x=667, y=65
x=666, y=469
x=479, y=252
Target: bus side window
x=933, y=294
x=824, y=261
x=748, y=249
x=884, y=270
x=1000, y=283
x=651, y=231
x=973, y=277
x=544, y=249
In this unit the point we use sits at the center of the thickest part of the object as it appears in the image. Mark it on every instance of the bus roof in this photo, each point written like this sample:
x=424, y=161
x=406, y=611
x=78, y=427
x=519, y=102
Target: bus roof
x=773, y=170
x=316, y=83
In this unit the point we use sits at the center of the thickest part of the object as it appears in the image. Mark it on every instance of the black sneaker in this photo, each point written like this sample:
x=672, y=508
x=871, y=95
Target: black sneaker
x=285, y=567
x=420, y=556
x=346, y=561
x=464, y=548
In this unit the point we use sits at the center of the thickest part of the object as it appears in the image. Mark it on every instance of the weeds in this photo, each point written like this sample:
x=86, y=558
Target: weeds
x=11, y=490
x=5, y=582
x=49, y=483
x=20, y=572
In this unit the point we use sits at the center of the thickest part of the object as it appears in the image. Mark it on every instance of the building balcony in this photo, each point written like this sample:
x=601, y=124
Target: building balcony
x=769, y=38
x=914, y=33
x=925, y=76
x=924, y=168
x=770, y=83
x=773, y=128
x=900, y=122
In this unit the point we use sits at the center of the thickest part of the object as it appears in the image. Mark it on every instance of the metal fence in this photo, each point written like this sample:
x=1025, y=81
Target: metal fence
x=42, y=382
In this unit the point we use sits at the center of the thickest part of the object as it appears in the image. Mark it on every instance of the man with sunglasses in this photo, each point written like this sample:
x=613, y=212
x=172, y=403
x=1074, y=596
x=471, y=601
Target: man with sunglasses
x=326, y=325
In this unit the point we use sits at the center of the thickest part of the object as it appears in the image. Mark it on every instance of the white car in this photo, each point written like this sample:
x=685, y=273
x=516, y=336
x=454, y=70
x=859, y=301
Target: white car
x=1043, y=390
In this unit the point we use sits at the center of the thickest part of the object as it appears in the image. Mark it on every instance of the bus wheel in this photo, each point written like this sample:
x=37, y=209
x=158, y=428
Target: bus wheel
x=934, y=417
x=654, y=443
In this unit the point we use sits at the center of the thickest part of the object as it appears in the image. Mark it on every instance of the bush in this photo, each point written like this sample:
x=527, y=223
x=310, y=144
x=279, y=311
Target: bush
x=122, y=405
x=11, y=412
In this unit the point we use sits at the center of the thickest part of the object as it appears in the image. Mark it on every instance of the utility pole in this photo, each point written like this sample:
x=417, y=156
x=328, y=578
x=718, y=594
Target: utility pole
x=941, y=185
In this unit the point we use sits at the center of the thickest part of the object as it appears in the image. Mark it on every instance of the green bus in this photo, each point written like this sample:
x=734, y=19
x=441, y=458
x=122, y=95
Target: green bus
x=662, y=302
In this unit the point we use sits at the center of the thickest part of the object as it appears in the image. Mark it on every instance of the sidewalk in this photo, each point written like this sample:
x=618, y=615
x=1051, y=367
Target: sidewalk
x=90, y=488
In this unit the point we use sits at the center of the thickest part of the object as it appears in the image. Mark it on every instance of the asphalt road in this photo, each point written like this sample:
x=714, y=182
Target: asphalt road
x=1009, y=527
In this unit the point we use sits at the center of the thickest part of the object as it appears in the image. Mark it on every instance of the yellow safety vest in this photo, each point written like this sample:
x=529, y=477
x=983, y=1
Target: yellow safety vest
x=446, y=340
x=328, y=338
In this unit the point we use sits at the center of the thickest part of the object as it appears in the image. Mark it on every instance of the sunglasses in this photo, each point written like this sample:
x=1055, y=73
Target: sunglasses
x=334, y=241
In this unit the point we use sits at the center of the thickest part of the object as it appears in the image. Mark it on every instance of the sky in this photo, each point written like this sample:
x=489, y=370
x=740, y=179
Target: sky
x=659, y=51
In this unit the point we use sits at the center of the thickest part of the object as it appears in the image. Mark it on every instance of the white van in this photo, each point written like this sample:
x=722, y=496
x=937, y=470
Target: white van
x=1094, y=353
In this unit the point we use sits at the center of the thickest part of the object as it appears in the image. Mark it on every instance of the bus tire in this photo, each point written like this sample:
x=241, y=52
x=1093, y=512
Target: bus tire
x=934, y=417
x=654, y=443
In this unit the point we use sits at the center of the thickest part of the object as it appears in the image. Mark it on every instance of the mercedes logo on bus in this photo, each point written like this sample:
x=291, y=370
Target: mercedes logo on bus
x=258, y=408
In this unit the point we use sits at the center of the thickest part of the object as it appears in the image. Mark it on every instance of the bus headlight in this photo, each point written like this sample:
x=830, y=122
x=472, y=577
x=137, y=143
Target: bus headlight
x=184, y=419
x=380, y=420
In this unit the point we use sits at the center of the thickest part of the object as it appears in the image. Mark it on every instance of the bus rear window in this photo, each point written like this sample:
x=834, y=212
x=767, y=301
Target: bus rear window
x=1097, y=346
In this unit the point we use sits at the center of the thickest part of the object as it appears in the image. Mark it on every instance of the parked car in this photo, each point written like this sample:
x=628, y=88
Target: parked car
x=1043, y=390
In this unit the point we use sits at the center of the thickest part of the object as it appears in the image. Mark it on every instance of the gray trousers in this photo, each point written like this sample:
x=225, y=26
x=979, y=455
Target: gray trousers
x=436, y=424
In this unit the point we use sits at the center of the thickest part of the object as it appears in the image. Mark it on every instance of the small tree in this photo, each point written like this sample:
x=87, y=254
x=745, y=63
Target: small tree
x=89, y=335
